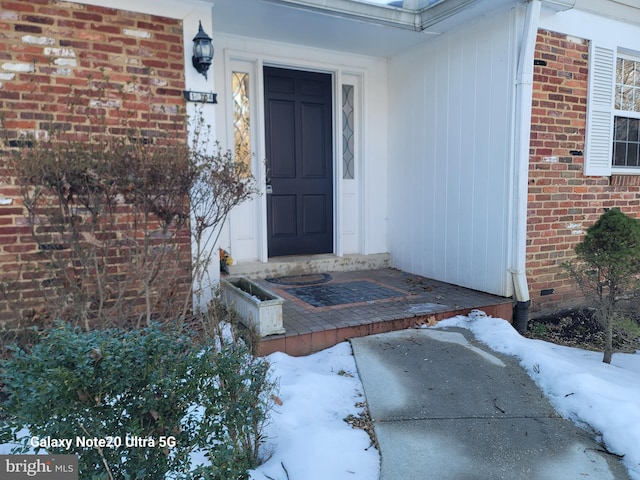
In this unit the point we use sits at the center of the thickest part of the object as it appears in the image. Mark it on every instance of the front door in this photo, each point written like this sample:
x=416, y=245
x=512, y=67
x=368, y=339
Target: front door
x=299, y=162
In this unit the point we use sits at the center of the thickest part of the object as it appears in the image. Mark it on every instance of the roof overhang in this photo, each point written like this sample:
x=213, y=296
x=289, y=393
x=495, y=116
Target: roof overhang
x=421, y=16
x=347, y=25
x=623, y=10
x=375, y=29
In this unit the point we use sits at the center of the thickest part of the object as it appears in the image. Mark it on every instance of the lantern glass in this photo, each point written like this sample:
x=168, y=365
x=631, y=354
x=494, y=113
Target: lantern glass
x=206, y=50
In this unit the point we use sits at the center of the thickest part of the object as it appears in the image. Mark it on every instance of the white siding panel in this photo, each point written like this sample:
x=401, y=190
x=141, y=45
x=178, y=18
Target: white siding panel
x=499, y=156
x=350, y=222
x=457, y=167
x=484, y=103
x=468, y=188
x=441, y=200
x=427, y=170
x=450, y=112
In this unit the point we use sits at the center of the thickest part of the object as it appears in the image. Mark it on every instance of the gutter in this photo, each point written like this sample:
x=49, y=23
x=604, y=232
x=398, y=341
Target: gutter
x=524, y=96
x=355, y=10
x=399, y=17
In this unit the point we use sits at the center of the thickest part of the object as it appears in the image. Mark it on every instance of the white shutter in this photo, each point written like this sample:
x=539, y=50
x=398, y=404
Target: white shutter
x=599, y=141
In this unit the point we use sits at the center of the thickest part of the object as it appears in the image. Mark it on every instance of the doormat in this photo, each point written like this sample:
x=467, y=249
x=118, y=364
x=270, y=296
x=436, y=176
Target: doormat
x=343, y=293
x=310, y=279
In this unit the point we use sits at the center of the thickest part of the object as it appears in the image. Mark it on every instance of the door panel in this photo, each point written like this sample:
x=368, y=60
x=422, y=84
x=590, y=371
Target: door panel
x=282, y=157
x=313, y=147
x=284, y=216
x=315, y=214
x=299, y=162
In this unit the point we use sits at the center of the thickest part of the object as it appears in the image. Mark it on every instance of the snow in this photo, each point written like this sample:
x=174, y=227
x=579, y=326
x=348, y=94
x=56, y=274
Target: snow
x=308, y=437
x=600, y=397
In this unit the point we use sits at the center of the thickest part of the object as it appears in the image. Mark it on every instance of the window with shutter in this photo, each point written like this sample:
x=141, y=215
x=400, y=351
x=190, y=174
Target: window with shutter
x=613, y=113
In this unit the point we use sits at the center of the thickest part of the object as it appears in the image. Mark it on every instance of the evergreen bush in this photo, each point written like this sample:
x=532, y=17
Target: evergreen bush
x=608, y=267
x=151, y=394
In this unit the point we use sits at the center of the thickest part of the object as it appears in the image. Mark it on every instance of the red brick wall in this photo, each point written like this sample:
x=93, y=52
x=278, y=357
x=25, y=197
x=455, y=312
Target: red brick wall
x=563, y=203
x=52, y=49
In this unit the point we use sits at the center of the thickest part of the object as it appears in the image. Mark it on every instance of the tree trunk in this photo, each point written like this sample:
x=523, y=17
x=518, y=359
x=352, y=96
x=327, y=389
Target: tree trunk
x=605, y=314
x=608, y=340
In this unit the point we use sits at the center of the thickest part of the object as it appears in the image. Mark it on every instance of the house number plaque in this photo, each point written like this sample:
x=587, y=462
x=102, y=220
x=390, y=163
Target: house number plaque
x=200, y=97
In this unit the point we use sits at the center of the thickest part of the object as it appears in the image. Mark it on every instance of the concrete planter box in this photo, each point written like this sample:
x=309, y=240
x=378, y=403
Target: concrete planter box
x=255, y=305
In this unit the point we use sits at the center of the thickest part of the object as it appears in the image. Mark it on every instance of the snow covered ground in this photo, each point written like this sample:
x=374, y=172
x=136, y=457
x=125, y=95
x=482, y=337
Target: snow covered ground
x=309, y=438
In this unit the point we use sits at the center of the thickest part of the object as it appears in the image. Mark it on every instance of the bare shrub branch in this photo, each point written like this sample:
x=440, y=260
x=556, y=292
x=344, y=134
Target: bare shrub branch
x=125, y=213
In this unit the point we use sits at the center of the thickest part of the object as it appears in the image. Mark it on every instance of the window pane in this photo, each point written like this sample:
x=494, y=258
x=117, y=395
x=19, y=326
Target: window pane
x=620, y=128
x=241, y=117
x=632, y=135
x=632, y=155
x=618, y=98
x=627, y=72
x=619, y=70
x=347, y=132
x=619, y=154
x=627, y=98
x=635, y=95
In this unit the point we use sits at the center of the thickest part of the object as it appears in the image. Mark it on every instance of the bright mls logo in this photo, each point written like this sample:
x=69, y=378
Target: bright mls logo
x=50, y=467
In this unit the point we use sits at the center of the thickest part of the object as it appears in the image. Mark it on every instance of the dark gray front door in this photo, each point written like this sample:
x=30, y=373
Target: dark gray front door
x=299, y=162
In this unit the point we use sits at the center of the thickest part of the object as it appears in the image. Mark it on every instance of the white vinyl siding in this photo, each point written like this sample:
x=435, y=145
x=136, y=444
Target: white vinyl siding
x=449, y=160
x=599, y=139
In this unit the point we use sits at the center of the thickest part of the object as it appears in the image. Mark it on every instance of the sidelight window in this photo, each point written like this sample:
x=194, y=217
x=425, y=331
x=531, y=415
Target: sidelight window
x=241, y=117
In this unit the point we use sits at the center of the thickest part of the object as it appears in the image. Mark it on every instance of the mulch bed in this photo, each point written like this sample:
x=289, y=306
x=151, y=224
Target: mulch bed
x=578, y=328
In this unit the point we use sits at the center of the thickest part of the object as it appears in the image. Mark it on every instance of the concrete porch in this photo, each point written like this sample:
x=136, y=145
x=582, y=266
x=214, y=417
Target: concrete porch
x=329, y=300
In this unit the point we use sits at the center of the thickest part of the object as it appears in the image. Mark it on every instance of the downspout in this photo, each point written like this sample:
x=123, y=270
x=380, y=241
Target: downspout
x=523, y=99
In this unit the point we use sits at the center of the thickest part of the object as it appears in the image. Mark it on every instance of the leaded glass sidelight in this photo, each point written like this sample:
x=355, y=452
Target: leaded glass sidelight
x=241, y=117
x=348, y=157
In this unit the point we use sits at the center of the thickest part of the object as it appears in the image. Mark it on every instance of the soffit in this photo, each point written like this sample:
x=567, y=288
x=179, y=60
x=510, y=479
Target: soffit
x=345, y=25
x=624, y=10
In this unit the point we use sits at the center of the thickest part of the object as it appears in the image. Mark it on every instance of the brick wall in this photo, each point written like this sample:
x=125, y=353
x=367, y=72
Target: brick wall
x=51, y=50
x=563, y=203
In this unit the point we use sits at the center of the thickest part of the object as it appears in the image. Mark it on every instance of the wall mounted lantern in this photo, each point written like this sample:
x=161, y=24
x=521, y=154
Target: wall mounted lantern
x=202, y=52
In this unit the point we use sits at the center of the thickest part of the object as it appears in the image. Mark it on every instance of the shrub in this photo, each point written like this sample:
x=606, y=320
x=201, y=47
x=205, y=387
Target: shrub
x=149, y=384
x=607, y=267
x=114, y=207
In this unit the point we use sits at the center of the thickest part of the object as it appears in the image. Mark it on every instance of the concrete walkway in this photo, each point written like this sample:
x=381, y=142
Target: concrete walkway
x=446, y=407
